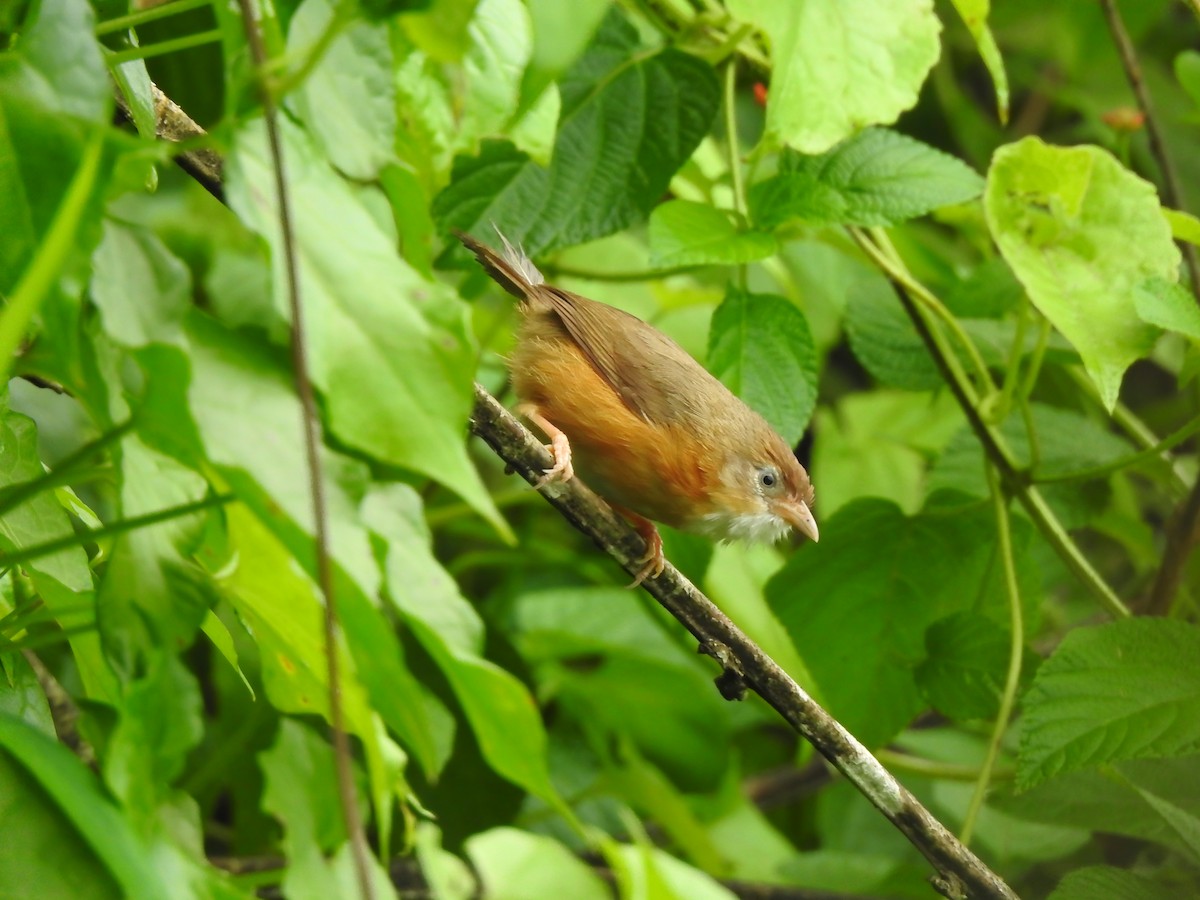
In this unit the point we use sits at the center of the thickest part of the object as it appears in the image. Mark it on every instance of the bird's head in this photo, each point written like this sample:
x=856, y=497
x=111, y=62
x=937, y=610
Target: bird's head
x=763, y=491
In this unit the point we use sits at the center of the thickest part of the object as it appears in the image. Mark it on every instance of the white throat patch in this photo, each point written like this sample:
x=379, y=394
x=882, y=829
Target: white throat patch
x=755, y=527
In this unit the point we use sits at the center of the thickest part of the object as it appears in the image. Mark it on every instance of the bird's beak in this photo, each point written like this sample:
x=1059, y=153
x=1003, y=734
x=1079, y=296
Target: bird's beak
x=797, y=514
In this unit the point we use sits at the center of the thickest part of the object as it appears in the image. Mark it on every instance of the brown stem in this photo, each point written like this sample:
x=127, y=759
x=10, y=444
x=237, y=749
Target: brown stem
x=312, y=439
x=1133, y=71
x=1183, y=534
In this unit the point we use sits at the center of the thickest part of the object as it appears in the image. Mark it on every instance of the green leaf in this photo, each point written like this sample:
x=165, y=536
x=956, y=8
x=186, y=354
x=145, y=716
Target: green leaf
x=77, y=793
x=1184, y=226
x=1115, y=799
x=141, y=288
x=31, y=822
x=628, y=122
x=1187, y=71
x=858, y=604
x=21, y=694
x=877, y=177
x=1067, y=442
x=877, y=444
x=257, y=446
x=683, y=233
x=389, y=350
x=501, y=43
x=1169, y=306
x=645, y=871
x=885, y=340
x=838, y=67
x=561, y=32
x=759, y=345
x=62, y=579
x=974, y=15
x=1081, y=232
x=1112, y=884
x=610, y=663
x=517, y=865
x=160, y=723
x=348, y=101
x=963, y=676
x=59, y=62
x=503, y=715
x=1125, y=690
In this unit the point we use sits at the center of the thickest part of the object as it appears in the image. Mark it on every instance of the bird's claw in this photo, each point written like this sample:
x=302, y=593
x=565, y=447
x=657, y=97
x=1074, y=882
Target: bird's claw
x=562, y=469
x=652, y=561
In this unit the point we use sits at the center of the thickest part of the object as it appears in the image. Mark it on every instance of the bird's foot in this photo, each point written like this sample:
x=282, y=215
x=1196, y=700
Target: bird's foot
x=652, y=561
x=562, y=470
x=559, y=446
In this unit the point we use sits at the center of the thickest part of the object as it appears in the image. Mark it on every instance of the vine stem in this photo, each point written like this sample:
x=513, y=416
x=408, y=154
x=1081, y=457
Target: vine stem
x=341, y=743
x=994, y=446
x=1016, y=652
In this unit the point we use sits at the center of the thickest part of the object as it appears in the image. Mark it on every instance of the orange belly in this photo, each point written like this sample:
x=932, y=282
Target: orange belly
x=658, y=472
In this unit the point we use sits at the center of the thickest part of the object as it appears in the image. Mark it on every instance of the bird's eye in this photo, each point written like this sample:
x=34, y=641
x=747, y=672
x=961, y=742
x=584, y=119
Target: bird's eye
x=768, y=478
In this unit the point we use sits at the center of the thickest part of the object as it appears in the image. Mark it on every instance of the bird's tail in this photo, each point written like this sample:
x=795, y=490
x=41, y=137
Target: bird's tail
x=511, y=268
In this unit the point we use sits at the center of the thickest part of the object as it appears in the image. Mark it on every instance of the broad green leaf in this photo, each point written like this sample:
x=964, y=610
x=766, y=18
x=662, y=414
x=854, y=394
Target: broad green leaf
x=644, y=871
x=634, y=675
x=1067, y=442
x=160, y=722
x=877, y=444
x=59, y=62
x=134, y=81
x=153, y=593
x=21, y=694
x=1169, y=306
x=858, y=604
x=301, y=791
x=561, y=32
x=840, y=66
x=31, y=822
x=62, y=579
x=1125, y=690
x=348, y=100
x=389, y=350
x=975, y=15
x=141, y=288
x=877, y=177
x=258, y=447
x=683, y=233
x=885, y=340
x=628, y=122
x=439, y=27
x=1184, y=226
x=759, y=345
x=1112, y=884
x=1082, y=232
x=78, y=795
x=503, y=715
x=1184, y=823
x=501, y=43
x=517, y=865
x=448, y=877
x=1187, y=72
x=963, y=676
x=1115, y=800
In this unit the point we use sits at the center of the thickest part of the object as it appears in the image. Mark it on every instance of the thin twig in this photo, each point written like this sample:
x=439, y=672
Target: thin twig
x=1015, y=656
x=1158, y=146
x=960, y=872
x=312, y=439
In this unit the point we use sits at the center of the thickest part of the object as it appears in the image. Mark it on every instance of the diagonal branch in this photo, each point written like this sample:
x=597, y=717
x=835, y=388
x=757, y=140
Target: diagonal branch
x=960, y=872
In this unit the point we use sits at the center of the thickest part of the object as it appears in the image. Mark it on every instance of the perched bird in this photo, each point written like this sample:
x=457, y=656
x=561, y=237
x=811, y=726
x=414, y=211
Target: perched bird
x=647, y=426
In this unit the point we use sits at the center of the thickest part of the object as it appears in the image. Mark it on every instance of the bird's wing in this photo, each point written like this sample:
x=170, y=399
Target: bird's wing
x=653, y=375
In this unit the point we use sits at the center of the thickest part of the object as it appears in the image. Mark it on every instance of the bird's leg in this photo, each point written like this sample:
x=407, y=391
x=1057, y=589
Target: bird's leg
x=559, y=446
x=653, y=562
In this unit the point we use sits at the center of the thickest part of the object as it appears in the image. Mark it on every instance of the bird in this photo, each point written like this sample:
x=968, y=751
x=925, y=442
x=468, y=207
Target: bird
x=647, y=427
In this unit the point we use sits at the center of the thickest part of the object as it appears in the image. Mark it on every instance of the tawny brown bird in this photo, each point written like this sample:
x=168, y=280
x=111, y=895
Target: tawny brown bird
x=647, y=426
